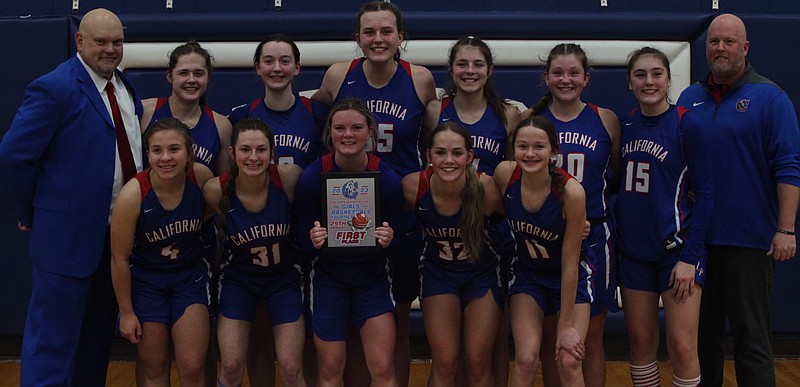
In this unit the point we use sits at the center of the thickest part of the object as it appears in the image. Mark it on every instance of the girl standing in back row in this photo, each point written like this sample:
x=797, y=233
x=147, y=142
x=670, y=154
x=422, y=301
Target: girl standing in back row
x=589, y=151
x=396, y=92
x=188, y=72
x=661, y=229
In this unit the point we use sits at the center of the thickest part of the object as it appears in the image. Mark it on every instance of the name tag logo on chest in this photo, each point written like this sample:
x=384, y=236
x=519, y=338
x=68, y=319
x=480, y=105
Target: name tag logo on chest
x=741, y=106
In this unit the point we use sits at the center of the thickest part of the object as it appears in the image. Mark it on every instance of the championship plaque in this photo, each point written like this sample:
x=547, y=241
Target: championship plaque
x=351, y=210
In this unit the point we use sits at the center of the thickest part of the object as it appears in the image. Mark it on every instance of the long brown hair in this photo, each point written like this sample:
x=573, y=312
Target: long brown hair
x=472, y=216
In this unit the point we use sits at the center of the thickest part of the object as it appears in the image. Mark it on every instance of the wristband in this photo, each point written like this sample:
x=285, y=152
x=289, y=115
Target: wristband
x=782, y=231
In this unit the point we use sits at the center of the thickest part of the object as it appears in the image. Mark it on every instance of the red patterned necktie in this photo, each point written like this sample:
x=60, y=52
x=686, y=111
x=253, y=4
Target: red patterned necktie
x=125, y=153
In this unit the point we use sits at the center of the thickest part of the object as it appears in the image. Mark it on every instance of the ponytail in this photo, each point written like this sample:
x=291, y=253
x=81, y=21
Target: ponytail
x=539, y=107
x=472, y=216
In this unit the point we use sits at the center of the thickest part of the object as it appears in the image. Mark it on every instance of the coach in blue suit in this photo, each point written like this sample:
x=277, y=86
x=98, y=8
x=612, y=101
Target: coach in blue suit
x=60, y=164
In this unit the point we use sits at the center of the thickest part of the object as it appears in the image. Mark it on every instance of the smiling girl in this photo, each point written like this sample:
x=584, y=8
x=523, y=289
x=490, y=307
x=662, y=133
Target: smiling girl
x=159, y=270
x=546, y=208
x=661, y=229
x=459, y=266
x=189, y=72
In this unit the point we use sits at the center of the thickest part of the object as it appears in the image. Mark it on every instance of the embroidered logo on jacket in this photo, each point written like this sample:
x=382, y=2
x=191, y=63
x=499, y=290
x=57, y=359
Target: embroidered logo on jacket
x=741, y=106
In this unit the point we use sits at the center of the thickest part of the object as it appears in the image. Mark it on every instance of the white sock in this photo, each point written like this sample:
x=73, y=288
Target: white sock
x=692, y=382
x=645, y=375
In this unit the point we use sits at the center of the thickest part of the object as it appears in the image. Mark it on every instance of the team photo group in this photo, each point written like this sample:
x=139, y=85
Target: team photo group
x=215, y=243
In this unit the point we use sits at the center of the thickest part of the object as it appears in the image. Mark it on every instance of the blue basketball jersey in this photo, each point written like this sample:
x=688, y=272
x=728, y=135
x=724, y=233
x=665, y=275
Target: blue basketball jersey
x=489, y=136
x=443, y=244
x=397, y=110
x=309, y=207
x=168, y=239
x=297, y=131
x=260, y=241
x=205, y=135
x=653, y=206
x=539, y=235
x=585, y=153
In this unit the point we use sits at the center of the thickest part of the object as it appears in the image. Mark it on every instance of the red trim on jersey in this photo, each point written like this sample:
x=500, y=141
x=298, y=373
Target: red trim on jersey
x=567, y=176
x=517, y=175
x=190, y=173
x=355, y=63
x=594, y=107
x=445, y=103
x=160, y=102
x=209, y=112
x=223, y=180
x=407, y=66
x=307, y=103
x=424, y=183
x=681, y=111
x=144, y=182
x=327, y=162
x=373, y=163
x=254, y=105
x=275, y=177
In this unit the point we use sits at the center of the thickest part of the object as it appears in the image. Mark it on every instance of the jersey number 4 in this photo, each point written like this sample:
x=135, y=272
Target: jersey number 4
x=171, y=252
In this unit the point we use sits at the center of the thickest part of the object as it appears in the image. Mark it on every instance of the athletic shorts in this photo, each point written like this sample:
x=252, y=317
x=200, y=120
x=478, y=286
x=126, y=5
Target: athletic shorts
x=602, y=261
x=343, y=292
x=503, y=241
x=240, y=291
x=405, y=264
x=466, y=284
x=652, y=276
x=163, y=296
x=545, y=287
x=210, y=245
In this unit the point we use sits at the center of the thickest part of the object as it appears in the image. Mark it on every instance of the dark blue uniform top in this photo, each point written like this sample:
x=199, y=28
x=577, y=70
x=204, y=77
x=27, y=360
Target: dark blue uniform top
x=308, y=201
x=205, y=135
x=585, y=153
x=168, y=239
x=489, y=136
x=260, y=241
x=663, y=158
x=443, y=243
x=540, y=234
x=297, y=131
x=397, y=110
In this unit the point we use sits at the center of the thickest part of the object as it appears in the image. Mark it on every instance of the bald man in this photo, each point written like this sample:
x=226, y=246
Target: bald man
x=62, y=169
x=756, y=156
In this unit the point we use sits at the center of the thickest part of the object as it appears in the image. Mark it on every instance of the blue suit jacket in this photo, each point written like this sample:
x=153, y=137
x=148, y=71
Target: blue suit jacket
x=57, y=165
